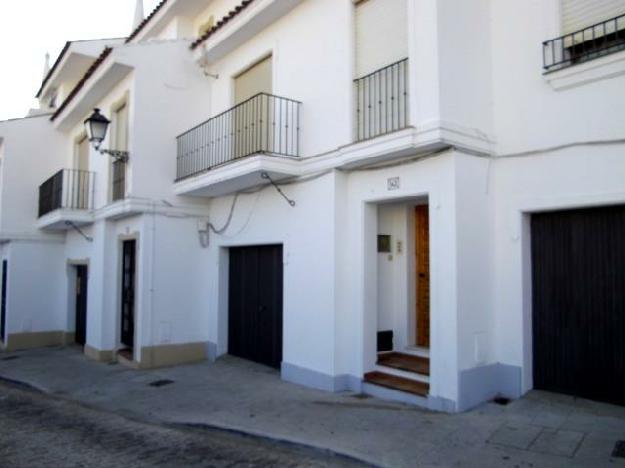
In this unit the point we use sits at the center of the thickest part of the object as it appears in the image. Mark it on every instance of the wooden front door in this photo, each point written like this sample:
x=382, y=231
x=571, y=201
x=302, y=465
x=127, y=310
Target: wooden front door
x=81, y=305
x=3, y=305
x=422, y=251
x=128, y=293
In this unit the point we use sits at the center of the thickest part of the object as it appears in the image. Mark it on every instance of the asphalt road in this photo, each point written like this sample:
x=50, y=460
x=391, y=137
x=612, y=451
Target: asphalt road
x=38, y=430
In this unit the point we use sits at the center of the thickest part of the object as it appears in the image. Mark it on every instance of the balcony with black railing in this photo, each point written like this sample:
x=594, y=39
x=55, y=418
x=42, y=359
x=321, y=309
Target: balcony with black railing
x=590, y=43
x=382, y=101
x=69, y=193
x=262, y=125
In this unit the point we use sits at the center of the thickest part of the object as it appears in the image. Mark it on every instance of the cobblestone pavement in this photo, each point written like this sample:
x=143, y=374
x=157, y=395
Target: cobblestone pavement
x=37, y=430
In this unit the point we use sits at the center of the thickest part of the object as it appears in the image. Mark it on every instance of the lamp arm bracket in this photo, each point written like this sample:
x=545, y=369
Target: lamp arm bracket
x=117, y=155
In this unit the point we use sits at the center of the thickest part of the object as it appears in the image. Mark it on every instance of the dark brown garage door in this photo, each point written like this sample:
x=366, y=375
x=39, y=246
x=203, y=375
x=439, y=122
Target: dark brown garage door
x=255, y=304
x=579, y=302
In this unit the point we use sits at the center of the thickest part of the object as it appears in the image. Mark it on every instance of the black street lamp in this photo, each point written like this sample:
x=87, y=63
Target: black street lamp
x=96, y=126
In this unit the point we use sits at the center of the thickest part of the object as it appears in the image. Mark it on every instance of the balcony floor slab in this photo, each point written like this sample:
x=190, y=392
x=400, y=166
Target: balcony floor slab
x=58, y=220
x=245, y=174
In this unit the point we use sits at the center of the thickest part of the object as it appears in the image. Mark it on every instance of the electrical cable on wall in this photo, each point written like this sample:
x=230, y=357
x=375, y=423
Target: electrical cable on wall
x=205, y=233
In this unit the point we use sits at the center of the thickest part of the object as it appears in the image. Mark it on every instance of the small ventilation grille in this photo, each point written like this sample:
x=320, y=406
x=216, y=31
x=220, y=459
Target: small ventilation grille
x=160, y=383
x=501, y=401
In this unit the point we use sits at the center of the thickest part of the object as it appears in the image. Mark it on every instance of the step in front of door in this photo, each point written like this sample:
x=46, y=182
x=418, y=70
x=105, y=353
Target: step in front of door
x=400, y=373
x=398, y=383
x=405, y=362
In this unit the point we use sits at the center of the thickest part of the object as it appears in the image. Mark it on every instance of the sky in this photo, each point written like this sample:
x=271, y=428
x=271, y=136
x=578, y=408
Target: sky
x=30, y=28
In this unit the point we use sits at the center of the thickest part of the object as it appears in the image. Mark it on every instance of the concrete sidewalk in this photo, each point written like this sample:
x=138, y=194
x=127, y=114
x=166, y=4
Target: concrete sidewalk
x=538, y=430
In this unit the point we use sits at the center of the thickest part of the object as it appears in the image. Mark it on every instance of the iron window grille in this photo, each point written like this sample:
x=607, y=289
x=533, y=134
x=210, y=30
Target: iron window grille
x=595, y=41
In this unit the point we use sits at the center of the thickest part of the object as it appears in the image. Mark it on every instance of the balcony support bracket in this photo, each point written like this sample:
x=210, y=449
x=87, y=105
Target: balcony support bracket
x=266, y=176
x=79, y=231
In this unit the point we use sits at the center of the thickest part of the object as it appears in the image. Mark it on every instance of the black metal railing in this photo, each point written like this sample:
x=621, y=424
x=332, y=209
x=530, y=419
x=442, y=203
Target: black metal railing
x=70, y=189
x=586, y=44
x=263, y=124
x=382, y=101
x=119, y=180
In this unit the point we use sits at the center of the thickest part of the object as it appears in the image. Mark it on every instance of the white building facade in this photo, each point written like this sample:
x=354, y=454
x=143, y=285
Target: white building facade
x=369, y=196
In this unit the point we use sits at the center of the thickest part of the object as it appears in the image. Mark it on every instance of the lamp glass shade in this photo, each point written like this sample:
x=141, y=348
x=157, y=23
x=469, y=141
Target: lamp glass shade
x=96, y=126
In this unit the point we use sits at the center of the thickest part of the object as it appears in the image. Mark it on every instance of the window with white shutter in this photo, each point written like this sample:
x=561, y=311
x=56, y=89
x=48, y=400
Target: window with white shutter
x=580, y=14
x=590, y=29
x=381, y=34
x=256, y=79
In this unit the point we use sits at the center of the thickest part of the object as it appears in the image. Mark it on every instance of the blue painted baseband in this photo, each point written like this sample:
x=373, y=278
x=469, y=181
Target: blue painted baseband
x=319, y=380
x=484, y=383
x=211, y=351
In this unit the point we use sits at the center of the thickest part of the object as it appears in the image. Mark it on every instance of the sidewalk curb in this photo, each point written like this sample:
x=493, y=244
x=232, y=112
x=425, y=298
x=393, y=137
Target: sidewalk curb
x=23, y=385
x=280, y=439
x=197, y=426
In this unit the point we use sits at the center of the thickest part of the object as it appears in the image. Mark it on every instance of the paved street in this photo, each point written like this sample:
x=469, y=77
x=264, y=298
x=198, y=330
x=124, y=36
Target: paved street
x=37, y=430
x=539, y=430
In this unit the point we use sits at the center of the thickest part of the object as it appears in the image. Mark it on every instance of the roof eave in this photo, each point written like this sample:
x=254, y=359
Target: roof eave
x=56, y=64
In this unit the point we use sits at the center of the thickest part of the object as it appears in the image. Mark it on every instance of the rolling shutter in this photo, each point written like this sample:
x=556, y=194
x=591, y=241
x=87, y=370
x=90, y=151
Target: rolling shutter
x=381, y=34
x=256, y=79
x=580, y=14
x=83, y=154
x=121, y=128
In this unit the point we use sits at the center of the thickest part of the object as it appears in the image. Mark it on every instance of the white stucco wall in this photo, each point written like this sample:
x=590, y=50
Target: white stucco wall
x=31, y=151
x=529, y=113
x=35, y=275
x=175, y=268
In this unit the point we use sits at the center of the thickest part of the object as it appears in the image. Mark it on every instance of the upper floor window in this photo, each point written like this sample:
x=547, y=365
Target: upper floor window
x=120, y=120
x=120, y=138
x=381, y=34
x=82, y=153
x=256, y=79
x=576, y=15
x=589, y=30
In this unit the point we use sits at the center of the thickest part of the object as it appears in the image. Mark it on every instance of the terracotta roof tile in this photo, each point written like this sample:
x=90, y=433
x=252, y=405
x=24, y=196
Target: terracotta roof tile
x=222, y=22
x=92, y=69
x=146, y=21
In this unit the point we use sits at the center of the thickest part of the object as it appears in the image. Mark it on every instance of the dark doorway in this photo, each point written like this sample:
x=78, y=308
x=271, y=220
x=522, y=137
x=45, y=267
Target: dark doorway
x=255, y=304
x=3, y=303
x=81, y=305
x=579, y=302
x=128, y=292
